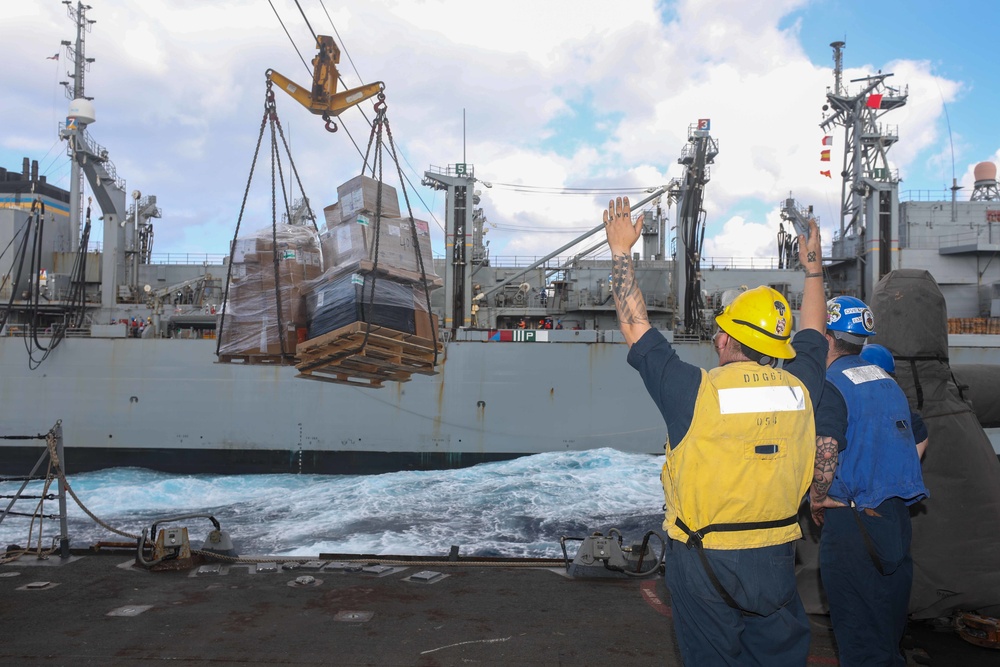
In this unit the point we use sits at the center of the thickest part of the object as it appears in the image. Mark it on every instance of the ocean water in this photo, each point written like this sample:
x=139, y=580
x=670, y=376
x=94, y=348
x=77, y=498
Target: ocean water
x=516, y=508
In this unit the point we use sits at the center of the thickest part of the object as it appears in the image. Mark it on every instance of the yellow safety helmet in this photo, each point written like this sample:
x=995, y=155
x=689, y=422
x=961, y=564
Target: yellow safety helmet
x=760, y=319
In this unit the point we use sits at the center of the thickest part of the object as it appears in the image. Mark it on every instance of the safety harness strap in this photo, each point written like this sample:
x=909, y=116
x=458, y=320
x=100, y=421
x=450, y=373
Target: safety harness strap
x=695, y=538
x=868, y=541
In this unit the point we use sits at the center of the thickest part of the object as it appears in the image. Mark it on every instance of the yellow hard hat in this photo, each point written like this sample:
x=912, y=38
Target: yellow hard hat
x=760, y=319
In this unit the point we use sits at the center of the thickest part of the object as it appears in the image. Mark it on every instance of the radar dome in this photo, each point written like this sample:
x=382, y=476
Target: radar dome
x=985, y=171
x=82, y=110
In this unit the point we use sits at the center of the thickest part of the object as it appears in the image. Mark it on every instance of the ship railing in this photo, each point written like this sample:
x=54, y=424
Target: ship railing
x=22, y=330
x=971, y=237
x=707, y=263
x=81, y=332
x=740, y=263
x=99, y=152
x=192, y=258
x=684, y=337
x=457, y=169
x=517, y=261
x=586, y=299
x=53, y=453
x=924, y=195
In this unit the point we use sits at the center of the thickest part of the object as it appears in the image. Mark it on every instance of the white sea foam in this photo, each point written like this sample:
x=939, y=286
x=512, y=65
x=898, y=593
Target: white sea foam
x=513, y=508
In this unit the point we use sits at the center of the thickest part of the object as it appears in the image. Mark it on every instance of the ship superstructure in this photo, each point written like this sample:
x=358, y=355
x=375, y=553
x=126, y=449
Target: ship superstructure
x=882, y=229
x=533, y=360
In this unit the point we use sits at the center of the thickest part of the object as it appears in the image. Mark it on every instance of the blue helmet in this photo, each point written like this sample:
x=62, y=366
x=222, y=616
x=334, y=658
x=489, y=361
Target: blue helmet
x=879, y=355
x=849, y=315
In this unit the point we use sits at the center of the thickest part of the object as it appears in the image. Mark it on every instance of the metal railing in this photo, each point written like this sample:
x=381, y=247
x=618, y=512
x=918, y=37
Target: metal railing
x=22, y=330
x=972, y=237
x=192, y=258
x=52, y=453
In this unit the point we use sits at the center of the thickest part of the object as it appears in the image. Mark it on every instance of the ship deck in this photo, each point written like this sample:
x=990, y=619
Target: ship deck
x=100, y=609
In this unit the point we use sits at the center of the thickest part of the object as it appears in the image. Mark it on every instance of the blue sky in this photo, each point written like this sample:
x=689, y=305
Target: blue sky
x=954, y=39
x=556, y=95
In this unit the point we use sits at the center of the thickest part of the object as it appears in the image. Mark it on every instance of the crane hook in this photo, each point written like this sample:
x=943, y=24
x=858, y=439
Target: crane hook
x=330, y=125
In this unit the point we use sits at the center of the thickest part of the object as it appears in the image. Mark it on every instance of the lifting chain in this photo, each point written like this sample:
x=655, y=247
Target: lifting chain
x=269, y=119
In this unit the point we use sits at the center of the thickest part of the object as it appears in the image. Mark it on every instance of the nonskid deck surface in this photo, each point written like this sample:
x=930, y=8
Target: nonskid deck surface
x=99, y=609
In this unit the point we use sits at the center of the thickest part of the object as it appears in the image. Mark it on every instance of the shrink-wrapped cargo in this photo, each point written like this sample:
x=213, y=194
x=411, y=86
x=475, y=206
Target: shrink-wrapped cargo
x=264, y=298
x=336, y=303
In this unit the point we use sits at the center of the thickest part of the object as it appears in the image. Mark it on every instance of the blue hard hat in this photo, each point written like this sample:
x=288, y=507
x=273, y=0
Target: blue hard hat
x=879, y=355
x=850, y=315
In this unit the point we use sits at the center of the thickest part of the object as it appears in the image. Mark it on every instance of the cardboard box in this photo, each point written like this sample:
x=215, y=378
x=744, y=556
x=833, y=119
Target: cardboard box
x=353, y=241
x=426, y=327
x=253, y=336
x=360, y=194
x=332, y=216
x=287, y=257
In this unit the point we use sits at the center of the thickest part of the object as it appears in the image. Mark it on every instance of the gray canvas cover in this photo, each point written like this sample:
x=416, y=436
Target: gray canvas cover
x=956, y=541
x=980, y=385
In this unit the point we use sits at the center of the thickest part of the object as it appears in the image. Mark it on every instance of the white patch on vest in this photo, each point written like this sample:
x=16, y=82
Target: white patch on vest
x=862, y=374
x=761, y=399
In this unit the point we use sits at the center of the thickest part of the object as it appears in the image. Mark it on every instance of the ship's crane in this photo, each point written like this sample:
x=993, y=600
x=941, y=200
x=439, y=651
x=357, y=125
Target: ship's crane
x=696, y=156
x=323, y=99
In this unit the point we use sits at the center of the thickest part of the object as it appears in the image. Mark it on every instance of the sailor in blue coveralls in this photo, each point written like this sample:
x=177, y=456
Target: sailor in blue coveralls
x=867, y=474
x=740, y=460
x=882, y=357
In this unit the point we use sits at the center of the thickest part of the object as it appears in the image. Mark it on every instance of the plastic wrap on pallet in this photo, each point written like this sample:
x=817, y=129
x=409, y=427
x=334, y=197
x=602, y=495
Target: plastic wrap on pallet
x=268, y=265
x=334, y=302
x=350, y=246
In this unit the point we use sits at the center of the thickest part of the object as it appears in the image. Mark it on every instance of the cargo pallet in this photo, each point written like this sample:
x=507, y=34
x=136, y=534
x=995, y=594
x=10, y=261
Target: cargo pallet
x=388, y=355
x=258, y=359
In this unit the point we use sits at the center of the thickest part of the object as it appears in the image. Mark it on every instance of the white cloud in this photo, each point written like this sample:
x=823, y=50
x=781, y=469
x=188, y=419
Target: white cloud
x=556, y=94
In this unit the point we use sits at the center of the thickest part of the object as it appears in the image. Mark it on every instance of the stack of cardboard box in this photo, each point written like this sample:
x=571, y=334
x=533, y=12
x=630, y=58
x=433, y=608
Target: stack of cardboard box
x=356, y=254
x=350, y=240
x=262, y=273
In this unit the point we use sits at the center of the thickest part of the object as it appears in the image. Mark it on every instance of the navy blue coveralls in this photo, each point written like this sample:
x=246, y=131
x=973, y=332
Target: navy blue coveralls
x=878, y=475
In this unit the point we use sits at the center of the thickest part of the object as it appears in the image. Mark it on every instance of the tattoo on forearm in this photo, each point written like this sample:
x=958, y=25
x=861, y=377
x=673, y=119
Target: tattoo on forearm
x=811, y=256
x=628, y=299
x=825, y=466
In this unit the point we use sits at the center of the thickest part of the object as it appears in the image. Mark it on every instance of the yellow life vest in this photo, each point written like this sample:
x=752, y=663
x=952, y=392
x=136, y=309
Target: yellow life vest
x=747, y=458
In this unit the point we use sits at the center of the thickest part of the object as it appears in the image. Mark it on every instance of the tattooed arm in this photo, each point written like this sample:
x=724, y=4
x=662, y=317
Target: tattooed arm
x=622, y=235
x=812, y=314
x=824, y=468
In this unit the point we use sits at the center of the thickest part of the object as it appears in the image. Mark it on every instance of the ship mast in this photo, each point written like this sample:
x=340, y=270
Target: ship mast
x=127, y=232
x=75, y=89
x=463, y=226
x=863, y=250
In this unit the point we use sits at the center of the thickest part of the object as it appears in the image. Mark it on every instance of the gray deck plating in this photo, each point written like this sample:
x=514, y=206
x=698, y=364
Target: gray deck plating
x=106, y=612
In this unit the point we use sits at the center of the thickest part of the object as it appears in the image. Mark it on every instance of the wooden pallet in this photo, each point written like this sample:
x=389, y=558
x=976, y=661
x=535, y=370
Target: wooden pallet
x=257, y=359
x=344, y=356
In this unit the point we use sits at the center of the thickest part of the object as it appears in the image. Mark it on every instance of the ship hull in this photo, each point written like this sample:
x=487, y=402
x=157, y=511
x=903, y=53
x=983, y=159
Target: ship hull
x=168, y=405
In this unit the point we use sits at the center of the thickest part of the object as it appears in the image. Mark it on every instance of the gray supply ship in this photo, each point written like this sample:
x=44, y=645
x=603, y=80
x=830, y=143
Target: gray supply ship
x=162, y=400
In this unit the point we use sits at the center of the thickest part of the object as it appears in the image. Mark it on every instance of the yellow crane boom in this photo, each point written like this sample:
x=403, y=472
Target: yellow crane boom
x=323, y=99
